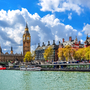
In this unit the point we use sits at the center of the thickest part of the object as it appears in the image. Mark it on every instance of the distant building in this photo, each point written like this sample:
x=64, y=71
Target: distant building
x=73, y=43
x=26, y=47
x=87, y=42
x=40, y=50
x=10, y=57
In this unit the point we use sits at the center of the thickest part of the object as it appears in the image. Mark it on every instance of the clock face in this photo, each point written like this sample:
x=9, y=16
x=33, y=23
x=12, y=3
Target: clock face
x=27, y=38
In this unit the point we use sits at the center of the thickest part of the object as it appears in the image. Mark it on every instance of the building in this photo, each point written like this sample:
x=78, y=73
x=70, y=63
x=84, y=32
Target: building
x=87, y=42
x=10, y=57
x=73, y=43
x=40, y=50
x=26, y=47
x=26, y=40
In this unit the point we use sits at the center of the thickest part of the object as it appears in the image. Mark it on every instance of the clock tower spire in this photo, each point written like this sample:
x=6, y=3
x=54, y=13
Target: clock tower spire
x=26, y=40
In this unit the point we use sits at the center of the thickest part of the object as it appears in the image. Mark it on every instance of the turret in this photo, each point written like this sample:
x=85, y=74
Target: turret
x=70, y=38
x=87, y=36
x=48, y=43
x=43, y=44
x=11, y=50
x=53, y=42
x=38, y=44
x=62, y=40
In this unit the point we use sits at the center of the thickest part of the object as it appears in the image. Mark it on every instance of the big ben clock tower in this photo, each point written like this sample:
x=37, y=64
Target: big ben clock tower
x=26, y=40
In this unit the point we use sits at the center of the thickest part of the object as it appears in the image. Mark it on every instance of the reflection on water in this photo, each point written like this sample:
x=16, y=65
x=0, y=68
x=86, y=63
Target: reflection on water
x=44, y=80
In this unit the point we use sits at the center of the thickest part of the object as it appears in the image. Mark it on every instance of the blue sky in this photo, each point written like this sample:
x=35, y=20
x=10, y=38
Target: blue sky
x=47, y=20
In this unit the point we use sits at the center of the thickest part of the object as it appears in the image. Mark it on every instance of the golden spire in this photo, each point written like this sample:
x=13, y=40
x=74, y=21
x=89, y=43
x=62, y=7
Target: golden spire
x=26, y=29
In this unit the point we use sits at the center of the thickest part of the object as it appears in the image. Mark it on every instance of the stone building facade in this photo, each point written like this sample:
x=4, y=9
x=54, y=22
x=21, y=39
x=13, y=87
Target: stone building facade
x=10, y=57
x=40, y=50
x=26, y=47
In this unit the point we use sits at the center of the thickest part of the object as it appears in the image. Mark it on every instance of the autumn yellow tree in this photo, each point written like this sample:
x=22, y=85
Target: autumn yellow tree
x=72, y=52
x=87, y=53
x=80, y=53
x=48, y=53
x=28, y=57
x=60, y=53
x=67, y=52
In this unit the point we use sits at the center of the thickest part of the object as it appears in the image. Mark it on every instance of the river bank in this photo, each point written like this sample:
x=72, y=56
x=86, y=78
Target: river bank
x=85, y=67
x=79, y=70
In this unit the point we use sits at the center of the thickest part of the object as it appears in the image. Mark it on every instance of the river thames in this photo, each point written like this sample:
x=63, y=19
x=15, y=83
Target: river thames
x=44, y=80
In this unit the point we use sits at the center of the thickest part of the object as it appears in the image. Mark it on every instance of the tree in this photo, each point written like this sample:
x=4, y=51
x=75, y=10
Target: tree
x=80, y=53
x=67, y=52
x=60, y=53
x=28, y=57
x=87, y=54
x=73, y=51
x=48, y=53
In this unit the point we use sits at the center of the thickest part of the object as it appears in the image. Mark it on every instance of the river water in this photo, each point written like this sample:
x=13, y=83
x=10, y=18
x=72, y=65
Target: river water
x=44, y=80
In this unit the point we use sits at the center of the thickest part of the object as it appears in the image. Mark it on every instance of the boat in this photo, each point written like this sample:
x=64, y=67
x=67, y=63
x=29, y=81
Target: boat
x=2, y=68
x=30, y=68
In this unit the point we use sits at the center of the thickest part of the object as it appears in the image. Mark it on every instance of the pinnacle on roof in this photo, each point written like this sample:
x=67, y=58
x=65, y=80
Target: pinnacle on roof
x=87, y=36
x=76, y=38
x=26, y=25
x=11, y=48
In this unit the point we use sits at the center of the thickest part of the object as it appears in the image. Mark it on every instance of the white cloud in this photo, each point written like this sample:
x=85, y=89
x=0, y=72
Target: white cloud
x=86, y=29
x=70, y=16
x=7, y=43
x=68, y=27
x=57, y=38
x=79, y=34
x=60, y=6
x=83, y=3
x=50, y=20
x=47, y=28
x=33, y=47
x=4, y=49
x=18, y=49
x=36, y=28
x=82, y=41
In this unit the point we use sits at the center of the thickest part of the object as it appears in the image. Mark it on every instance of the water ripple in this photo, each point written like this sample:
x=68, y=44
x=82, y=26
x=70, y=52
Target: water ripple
x=44, y=80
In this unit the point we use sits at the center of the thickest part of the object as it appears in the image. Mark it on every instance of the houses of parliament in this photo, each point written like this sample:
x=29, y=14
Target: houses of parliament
x=26, y=47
